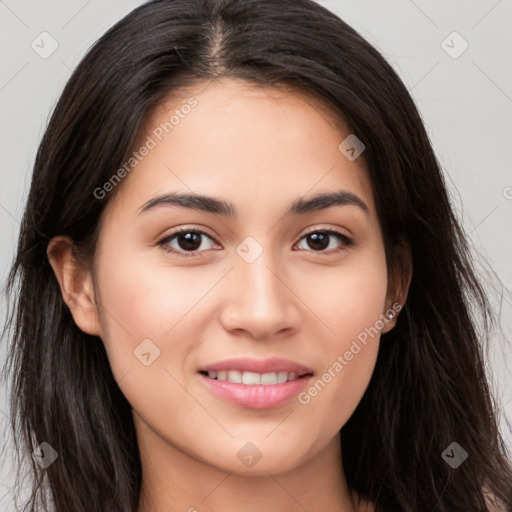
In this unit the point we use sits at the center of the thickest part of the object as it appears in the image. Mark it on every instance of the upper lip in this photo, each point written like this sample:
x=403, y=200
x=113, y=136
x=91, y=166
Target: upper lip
x=273, y=364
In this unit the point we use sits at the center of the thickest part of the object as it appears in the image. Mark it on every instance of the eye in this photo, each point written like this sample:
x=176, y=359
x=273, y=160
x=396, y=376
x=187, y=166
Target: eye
x=186, y=241
x=320, y=240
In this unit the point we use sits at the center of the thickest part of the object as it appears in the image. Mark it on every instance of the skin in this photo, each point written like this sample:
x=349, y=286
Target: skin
x=260, y=149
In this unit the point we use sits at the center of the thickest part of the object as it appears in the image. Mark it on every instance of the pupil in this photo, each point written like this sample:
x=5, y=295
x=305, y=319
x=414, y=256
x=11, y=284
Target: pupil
x=320, y=239
x=188, y=241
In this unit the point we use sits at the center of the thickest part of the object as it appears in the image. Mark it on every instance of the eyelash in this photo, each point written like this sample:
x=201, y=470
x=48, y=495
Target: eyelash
x=162, y=242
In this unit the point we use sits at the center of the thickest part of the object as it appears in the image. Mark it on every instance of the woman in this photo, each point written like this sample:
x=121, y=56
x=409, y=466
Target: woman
x=242, y=284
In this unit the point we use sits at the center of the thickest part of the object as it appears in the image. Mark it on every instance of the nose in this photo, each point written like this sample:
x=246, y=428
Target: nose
x=259, y=300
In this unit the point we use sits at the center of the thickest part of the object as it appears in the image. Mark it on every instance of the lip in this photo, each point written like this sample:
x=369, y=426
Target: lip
x=257, y=396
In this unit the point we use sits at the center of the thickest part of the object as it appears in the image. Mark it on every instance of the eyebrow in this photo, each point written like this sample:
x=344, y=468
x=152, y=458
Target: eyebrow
x=219, y=206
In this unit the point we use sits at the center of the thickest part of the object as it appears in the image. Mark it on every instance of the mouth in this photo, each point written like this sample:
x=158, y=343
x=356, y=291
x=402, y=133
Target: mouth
x=257, y=384
x=253, y=378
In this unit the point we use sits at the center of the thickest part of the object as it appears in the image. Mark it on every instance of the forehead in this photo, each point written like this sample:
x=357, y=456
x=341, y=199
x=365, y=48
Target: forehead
x=230, y=138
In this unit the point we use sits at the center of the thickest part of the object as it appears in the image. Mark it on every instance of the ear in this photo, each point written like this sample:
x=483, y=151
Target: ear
x=398, y=284
x=75, y=284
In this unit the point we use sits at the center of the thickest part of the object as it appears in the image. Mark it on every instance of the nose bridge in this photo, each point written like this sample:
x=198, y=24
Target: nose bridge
x=258, y=301
x=256, y=267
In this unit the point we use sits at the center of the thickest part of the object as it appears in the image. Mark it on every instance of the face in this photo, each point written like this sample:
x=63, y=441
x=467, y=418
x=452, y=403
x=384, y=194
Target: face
x=260, y=319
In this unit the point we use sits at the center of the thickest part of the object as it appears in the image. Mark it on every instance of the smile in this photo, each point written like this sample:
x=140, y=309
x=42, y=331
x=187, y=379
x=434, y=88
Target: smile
x=256, y=384
x=253, y=378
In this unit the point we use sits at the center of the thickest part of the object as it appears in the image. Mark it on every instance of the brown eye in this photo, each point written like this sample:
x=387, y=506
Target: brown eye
x=320, y=240
x=185, y=241
x=189, y=241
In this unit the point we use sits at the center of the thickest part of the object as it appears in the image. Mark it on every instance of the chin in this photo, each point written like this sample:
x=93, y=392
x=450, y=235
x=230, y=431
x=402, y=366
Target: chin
x=260, y=457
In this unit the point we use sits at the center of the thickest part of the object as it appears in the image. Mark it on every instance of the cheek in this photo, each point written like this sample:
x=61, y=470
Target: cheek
x=350, y=308
x=148, y=296
x=140, y=301
x=347, y=298
x=148, y=310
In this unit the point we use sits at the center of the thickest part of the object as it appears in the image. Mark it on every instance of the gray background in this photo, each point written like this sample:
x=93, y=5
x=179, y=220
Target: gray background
x=465, y=99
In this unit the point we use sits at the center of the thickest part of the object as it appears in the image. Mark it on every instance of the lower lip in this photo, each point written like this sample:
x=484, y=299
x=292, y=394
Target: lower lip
x=257, y=396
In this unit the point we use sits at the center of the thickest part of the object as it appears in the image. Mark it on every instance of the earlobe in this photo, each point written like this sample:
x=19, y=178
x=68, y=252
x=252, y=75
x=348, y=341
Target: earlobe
x=75, y=284
x=390, y=315
x=399, y=286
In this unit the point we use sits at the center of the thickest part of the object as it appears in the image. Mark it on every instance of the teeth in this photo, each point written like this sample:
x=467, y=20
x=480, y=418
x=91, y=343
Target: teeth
x=234, y=376
x=282, y=377
x=253, y=378
x=269, y=378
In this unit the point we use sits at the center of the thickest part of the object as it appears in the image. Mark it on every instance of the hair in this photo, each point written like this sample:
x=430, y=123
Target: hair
x=429, y=387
